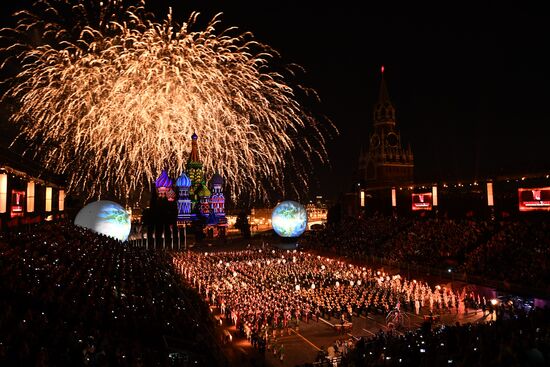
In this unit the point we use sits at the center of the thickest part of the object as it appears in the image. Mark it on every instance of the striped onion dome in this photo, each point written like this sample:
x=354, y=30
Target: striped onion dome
x=164, y=180
x=183, y=181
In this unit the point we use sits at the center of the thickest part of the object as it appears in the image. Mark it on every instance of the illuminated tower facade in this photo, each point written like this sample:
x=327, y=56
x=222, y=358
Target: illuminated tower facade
x=194, y=171
x=386, y=162
x=183, y=183
x=217, y=200
x=163, y=185
x=204, y=200
x=196, y=203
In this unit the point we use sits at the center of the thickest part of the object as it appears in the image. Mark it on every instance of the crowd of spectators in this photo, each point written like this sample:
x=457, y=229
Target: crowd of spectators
x=71, y=297
x=521, y=340
x=514, y=251
x=518, y=252
x=516, y=336
x=436, y=242
x=355, y=237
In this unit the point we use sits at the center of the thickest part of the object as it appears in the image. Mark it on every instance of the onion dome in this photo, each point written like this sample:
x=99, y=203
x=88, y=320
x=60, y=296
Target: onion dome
x=183, y=180
x=194, y=136
x=216, y=180
x=203, y=191
x=164, y=180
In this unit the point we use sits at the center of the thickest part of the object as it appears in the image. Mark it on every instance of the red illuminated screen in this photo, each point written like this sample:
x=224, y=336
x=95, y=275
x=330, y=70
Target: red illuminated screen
x=422, y=201
x=534, y=199
x=17, y=199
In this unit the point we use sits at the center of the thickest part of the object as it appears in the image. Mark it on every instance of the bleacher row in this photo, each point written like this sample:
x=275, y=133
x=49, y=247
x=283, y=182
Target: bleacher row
x=516, y=251
x=73, y=298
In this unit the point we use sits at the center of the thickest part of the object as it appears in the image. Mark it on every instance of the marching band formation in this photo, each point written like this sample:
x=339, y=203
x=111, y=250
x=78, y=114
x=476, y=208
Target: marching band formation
x=265, y=291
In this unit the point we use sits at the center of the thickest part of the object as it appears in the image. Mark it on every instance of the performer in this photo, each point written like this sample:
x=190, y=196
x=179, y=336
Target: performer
x=394, y=317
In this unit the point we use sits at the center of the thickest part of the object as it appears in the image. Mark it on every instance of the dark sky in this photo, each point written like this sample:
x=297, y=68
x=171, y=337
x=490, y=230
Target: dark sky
x=469, y=82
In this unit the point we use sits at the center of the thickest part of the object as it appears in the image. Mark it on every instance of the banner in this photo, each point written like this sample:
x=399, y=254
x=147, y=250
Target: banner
x=534, y=199
x=422, y=201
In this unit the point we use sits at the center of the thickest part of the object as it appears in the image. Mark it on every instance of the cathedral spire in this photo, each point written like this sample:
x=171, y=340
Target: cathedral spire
x=194, y=156
x=194, y=168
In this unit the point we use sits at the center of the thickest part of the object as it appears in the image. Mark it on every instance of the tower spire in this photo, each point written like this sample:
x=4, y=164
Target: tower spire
x=194, y=169
x=386, y=163
x=384, y=113
x=383, y=96
x=194, y=156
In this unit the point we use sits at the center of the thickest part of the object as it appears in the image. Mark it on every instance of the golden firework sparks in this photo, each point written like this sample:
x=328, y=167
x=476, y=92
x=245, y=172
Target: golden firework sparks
x=117, y=103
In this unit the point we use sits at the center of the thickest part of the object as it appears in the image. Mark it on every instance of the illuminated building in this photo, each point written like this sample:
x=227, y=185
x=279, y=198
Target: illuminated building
x=386, y=162
x=196, y=201
x=260, y=219
x=28, y=194
x=183, y=183
x=317, y=212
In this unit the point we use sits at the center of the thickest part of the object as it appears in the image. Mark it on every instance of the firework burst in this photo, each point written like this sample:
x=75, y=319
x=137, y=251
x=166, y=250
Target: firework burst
x=110, y=102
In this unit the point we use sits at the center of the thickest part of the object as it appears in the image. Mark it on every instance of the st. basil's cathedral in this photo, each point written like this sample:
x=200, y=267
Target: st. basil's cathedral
x=198, y=203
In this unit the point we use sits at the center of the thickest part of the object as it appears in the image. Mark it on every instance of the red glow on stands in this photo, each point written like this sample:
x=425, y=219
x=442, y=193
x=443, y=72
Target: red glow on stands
x=382, y=68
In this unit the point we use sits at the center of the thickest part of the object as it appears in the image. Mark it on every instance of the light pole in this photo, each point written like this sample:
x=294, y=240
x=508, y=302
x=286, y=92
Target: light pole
x=185, y=236
x=182, y=223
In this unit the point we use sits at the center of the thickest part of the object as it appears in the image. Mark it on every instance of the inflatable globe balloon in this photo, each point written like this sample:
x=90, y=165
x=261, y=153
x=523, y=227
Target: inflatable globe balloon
x=105, y=217
x=289, y=219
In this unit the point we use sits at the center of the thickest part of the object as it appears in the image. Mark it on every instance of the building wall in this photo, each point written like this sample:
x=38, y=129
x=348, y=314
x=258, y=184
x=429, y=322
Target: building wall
x=17, y=182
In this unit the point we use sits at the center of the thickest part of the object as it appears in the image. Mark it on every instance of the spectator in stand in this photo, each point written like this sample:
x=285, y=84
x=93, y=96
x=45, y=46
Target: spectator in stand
x=516, y=251
x=71, y=297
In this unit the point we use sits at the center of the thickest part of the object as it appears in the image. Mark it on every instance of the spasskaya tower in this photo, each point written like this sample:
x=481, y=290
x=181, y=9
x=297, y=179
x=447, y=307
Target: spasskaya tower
x=387, y=162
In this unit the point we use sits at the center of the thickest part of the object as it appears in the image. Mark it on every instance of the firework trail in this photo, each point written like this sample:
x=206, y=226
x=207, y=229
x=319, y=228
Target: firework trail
x=110, y=97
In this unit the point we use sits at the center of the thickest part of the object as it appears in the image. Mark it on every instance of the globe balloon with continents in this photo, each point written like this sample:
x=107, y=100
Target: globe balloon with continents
x=105, y=217
x=289, y=219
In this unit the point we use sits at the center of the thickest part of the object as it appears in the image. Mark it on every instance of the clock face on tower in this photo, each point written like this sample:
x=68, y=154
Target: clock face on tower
x=392, y=140
x=374, y=141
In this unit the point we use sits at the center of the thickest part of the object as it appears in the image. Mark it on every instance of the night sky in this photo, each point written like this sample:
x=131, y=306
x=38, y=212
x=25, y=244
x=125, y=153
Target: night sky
x=469, y=83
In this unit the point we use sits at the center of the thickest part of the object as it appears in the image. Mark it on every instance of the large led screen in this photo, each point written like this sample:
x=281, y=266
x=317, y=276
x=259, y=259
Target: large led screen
x=531, y=199
x=422, y=201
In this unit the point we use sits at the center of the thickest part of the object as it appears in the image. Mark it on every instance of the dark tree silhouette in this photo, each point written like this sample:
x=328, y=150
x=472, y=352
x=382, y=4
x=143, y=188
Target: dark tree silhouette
x=242, y=224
